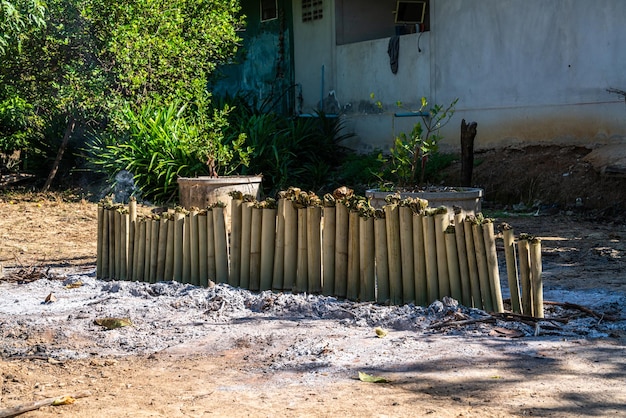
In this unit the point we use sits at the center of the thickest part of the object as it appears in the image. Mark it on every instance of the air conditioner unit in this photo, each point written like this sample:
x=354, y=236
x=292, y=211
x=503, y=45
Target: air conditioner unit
x=410, y=12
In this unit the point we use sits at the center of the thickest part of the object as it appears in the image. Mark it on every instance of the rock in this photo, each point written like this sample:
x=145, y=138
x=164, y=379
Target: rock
x=609, y=160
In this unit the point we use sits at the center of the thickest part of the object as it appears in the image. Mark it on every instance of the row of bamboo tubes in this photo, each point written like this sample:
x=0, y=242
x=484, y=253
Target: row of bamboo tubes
x=337, y=246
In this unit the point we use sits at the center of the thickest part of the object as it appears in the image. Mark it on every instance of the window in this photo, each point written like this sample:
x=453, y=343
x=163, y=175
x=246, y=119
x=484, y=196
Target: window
x=410, y=12
x=312, y=10
x=269, y=10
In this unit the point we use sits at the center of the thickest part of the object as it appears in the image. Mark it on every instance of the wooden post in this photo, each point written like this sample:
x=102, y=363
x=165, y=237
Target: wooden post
x=268, y=245
x=246, y=229
x=210, y=246
x=169, y=249
x=341, y=249
x=443, y=277
x=328, y=250
x=392, y=218
x=255, y=248
x=477, y=300
x=203, y=267
x=382, y=259
x=221, y=245
x=367, y=256
x=430, y=245
x=278, y=273
x=179, y=227
x=314, y=245
x=162, y=250
x=132, y=210
x=524, y=270
x=459, y=235
x=291, y=246
x=124, y=234
x=141, y=251
x=536, y=279
x=405, y=217
x=302, y=269
x=456, y=289
x=483, y=268
x=468, y=134
x=235, y=241
x=194, y=255
x=154, y=249
x=511, y=268
x=419, y=261
x=492, y=264
x=100, y=237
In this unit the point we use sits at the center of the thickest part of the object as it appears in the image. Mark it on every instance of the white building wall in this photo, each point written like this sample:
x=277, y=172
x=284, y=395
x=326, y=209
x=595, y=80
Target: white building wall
x=527, y=71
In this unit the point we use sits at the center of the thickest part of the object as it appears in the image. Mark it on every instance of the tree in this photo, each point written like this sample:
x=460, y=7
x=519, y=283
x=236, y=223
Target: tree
x=17, y=17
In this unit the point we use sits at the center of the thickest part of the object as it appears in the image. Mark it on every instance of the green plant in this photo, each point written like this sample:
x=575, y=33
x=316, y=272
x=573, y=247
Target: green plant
x=410, y=153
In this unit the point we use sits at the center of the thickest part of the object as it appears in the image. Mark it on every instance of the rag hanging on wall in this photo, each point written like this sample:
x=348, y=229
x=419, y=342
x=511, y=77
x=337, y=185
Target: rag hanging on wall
x=394, y=52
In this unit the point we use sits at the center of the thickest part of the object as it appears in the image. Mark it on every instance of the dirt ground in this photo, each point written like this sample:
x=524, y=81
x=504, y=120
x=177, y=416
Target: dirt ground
x=249, y=367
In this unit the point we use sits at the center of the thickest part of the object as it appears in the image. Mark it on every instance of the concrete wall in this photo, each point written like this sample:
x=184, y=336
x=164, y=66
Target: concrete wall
x=525, y=70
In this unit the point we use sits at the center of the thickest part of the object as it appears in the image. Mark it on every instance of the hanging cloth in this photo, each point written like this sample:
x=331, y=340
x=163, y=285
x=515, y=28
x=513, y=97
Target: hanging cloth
x=394, y=52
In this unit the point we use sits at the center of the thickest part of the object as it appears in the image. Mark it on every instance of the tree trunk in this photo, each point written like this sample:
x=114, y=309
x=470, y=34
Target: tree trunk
x=66, y=138
x=468, y=134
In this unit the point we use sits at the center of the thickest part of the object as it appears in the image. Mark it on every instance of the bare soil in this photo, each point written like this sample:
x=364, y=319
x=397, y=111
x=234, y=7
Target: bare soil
x=201, y=356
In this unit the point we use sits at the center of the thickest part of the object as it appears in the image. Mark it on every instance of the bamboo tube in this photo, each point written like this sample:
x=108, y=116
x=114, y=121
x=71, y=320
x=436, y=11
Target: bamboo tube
x=147, y=250
x=169, y=249
x=235, y=241
x=291, y=246
x=154, y=249
x=255, y=249
x=523, y=247
x=342, y=229
x=454, y=273
x=492, y=264
x=194, y=255
x=382, y=259
x=118, y=242
x=221, y=244
x=187, y=249
x=278, y=273
x=111, y=215
x=124, y=231
x=246, y=228
x=352, y=290
x=162, y=248
x=140, y=244
x=100, y=240
x=210, y=246
x=132, y=210
x=328, y=249
x=483, y=268
x=406, y=253
x=535, y=277
x=268, y=245
x=367, y=253
x=105, y=241
x=511, y=268
x=136, y=265
x=477, y=301
x=392, y=220
x=441, y=223
x=430, y=252
x=419, y=261
x=302, y=263
x=203, y=271
x=314, y=245
x=179, y=227
x=459, y=235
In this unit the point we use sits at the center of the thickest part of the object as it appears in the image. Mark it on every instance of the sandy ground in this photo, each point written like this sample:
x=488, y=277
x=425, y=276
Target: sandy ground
x=221, y=351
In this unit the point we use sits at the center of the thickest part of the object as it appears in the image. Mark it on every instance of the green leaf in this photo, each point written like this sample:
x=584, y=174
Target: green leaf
x=364, y=377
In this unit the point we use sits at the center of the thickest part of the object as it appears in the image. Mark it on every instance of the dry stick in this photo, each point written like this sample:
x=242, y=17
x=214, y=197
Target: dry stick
x=31, y=406
x=314, y=244
x=430, y=251
x=268, y=245
x=124, y=230
x=147, y=249
x=511, y=268
x=456, y=288
x=187, y=249
x=459, y=235
x=568, y=305
x=255, y=249
x=154, y=249
x=382, y=260
x=328, y=249
x=302, y=269
x=483, y=268
x=132, y=210
x=221, y=245
x=169, y=249
x=278, y=273
x=179, y=227
x=535, y=277
x=235, y=242
x=100, y=239
x=492, y=265
x=405, y=216
x=472, y=265
x=419, y=261
x=367, y=254
x=194, y=255
x=342, y=219
x=441, y=223
x=203, y=271
x=140, y=244
x=524, y=272
x=111, y=215
x=210, y=246
x=353, y=256
x=392, y=220
x=162, y=248
x=246, y=227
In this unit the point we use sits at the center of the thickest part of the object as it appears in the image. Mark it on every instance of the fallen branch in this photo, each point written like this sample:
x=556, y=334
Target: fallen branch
x=31, y=406
x=463, y=322
x=568, y=305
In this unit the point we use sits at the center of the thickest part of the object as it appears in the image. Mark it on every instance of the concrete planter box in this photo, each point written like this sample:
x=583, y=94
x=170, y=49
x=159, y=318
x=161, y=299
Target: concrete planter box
x=467, y=198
